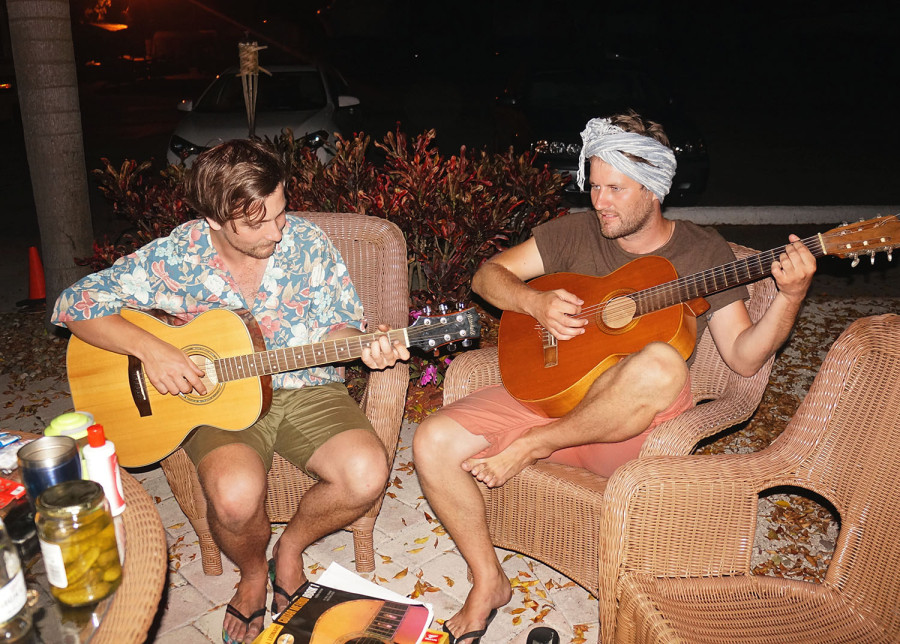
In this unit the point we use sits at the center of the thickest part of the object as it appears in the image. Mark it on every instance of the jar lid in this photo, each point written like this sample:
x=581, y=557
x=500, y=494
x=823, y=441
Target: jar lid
x=70, y=497
x=73, y=423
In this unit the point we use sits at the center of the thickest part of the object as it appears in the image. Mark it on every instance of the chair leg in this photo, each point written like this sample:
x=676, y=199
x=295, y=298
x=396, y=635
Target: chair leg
x=185, y=485
x=363, y=543
x=210, y=554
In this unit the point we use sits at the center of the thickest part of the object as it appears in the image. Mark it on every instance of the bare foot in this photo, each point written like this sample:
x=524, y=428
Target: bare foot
x=289, y=574
x=482, y=599
x=249, y=599
x=496, y=470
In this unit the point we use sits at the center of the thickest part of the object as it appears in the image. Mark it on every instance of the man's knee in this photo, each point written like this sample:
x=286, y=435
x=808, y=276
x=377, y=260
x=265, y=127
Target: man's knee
x=433, y=440
x=234, y=485
x=364, y=472
x=658, y=367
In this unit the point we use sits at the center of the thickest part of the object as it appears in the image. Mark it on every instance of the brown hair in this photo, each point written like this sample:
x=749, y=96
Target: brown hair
x=631, y=121
x=233, y=179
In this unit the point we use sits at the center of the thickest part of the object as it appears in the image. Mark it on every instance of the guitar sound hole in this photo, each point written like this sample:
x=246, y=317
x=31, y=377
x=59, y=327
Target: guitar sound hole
x=618, y=312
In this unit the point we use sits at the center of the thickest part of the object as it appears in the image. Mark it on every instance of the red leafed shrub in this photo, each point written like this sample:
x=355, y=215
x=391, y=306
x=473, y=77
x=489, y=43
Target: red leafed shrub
x=455, y=211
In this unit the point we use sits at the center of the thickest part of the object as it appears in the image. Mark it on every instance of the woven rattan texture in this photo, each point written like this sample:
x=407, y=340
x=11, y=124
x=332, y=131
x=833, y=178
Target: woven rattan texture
x=374, y=251
x=551, y=512
x=143, y=577
x=678, y=530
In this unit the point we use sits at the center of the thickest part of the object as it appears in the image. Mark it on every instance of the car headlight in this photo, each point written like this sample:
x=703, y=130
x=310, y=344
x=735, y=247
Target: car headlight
x=690, y=148
x=184, y=148
x=545, y=146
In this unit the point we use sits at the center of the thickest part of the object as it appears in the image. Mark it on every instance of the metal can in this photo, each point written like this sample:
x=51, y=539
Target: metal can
x=78, y=542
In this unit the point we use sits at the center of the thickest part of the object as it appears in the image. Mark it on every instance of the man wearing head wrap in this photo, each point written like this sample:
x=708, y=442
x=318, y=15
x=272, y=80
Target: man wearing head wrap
x=491, y=437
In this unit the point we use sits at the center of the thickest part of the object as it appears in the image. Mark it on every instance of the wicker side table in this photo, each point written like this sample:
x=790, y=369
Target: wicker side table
x=144, y=575
x=133, y=607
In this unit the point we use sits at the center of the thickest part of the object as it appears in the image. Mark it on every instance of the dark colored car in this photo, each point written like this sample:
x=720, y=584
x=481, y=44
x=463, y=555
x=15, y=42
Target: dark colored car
x=546, y=110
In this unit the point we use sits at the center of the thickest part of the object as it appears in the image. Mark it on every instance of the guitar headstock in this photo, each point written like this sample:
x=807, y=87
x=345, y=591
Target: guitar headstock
x=431, y=332
x=863, y=238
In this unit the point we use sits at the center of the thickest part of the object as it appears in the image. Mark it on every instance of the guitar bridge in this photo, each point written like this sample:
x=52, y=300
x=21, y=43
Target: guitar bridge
x=138, y=387
x=551, y=350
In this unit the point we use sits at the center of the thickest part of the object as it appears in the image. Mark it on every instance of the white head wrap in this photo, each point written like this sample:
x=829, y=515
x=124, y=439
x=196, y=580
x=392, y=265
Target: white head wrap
x=602, y=139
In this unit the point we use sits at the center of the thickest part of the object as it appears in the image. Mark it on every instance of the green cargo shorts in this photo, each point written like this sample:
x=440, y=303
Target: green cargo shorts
x=299, y=422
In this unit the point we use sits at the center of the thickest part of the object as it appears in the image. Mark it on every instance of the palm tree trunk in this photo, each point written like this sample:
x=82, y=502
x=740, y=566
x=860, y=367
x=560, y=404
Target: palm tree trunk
x=44, y=58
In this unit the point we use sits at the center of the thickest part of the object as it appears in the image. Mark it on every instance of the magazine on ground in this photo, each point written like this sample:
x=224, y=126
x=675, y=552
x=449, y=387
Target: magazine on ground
x=342, y=607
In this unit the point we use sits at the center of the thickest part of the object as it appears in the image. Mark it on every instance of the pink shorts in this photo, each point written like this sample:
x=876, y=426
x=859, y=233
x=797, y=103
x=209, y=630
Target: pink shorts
x=498, y=417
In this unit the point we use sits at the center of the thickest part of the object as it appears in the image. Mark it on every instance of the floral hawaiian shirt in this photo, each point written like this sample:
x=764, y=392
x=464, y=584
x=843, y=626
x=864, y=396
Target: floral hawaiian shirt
x=305, y=292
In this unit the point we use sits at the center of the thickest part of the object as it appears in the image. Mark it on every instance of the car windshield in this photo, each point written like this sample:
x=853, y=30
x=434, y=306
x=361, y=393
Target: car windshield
x=286, y=91
x=591, y=89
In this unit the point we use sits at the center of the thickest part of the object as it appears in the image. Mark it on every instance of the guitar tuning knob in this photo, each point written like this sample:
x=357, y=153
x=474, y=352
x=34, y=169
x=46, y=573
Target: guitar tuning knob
x=443, y=308
x=460, y=306
x=890, y=254
x=872, y=257
x=426, y=309
x=466, y=343
x=451, y=347
x=855, y=261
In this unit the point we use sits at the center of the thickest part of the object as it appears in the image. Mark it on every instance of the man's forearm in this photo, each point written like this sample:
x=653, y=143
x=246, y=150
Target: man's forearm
x=759, y=342
x=501, y=288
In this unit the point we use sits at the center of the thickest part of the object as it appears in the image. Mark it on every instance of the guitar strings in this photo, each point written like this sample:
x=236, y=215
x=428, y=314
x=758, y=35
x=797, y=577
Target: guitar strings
x=672, y=291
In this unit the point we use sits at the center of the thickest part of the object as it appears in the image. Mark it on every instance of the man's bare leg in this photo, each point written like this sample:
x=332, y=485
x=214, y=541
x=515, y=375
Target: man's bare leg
x=352, y=469
x=234, y=480
x=619, y=405
x=440, y=446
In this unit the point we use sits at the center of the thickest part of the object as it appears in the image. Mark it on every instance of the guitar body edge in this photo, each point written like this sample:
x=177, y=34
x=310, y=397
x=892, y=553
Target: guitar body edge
x=99, y=381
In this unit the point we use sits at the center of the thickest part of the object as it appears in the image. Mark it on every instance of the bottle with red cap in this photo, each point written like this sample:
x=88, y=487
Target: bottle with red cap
x=103, y=467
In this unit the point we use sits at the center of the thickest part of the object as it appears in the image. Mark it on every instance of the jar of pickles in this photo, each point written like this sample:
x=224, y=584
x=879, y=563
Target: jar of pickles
x=78, y=542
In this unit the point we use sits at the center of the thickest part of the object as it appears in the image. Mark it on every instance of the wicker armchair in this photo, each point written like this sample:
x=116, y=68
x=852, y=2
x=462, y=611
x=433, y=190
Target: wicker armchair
x=678, y=531
x=375, y=253
x=550, y=511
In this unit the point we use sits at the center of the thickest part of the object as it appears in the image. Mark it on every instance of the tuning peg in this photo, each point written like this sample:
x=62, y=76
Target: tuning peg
x=855, y=261
x=890, y=254
x=451, y=347
x=460, y=306
x=426, y=309
x=443, y=308
x=466, y=343
x=872, y=257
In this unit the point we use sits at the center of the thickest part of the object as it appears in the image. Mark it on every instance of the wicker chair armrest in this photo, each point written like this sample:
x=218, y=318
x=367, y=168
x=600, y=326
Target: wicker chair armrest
x=683, y=516
x=471, y=371
x=384, y=402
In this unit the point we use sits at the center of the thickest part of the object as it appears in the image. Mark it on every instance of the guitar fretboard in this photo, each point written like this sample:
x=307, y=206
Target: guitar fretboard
x=713, y=280
x=277, y=360
x=387, y=621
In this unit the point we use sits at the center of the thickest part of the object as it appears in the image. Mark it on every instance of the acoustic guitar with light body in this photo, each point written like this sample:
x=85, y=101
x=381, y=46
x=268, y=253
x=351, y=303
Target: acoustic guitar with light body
x=147, y=426
x=642, y=302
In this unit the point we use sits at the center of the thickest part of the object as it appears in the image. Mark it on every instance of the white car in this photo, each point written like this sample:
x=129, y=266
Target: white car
x=309, y=99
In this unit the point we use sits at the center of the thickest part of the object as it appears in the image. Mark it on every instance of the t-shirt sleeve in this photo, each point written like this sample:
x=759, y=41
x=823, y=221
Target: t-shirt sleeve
x=563, y=241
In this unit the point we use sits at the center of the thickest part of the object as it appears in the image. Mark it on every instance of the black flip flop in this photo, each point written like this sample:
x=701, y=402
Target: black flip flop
x=234, y=612
x=278, y=590
x=475, y=636
x=543, y=635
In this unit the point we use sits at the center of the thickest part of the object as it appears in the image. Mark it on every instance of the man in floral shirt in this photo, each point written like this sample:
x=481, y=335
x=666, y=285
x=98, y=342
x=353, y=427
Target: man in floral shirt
x=247, y=253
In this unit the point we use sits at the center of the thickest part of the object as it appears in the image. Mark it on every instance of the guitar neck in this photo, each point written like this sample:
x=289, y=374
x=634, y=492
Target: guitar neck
x=714, y=280
x=266, y=363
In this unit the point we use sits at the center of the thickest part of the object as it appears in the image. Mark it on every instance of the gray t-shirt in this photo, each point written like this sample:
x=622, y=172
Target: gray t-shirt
x=574, y=244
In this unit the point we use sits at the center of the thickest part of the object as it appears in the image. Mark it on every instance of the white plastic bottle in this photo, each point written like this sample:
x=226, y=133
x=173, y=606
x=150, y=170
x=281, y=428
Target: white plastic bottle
x=103, y=467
